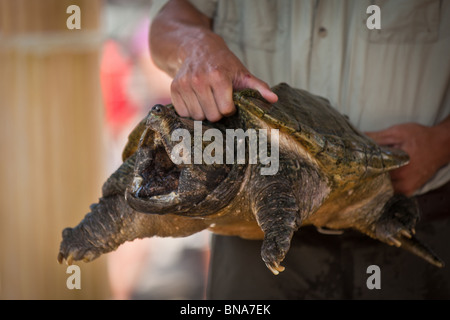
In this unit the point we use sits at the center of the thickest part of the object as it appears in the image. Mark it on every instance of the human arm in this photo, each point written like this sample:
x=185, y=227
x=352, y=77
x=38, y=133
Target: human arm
x=428, y=148
x=205, y=72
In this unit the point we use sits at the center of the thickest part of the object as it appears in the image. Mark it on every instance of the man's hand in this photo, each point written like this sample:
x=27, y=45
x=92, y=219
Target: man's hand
x=428, y=149
x=204, y=84
x=204, y=70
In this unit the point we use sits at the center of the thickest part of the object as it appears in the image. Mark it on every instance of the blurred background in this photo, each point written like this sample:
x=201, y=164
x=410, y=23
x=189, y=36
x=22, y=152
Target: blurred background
x=68, y=99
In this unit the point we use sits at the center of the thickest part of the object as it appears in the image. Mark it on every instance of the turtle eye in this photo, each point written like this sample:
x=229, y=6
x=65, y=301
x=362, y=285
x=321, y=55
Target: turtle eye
x=157, y=109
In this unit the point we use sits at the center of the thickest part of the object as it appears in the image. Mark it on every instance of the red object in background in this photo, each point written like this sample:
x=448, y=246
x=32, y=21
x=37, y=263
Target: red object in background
x=115, y=70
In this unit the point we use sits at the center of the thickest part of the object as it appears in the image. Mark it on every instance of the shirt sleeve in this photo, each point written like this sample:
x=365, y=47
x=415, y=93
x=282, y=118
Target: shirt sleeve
x=155, y=7
x=207, y=7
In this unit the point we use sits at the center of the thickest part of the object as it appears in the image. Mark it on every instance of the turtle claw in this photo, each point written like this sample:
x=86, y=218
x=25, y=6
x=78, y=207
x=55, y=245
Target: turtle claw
x=274, y=250
x=406, y=233
x=397, y=221
x=394, y=242
x=69, y=260
x=73, y=248
x=60, y=258
x=275, y=268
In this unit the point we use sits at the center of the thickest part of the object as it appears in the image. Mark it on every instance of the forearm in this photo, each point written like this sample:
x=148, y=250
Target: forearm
x=178, y=29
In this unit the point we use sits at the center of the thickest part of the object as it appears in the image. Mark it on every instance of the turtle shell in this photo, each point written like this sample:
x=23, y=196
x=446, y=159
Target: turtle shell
x=311, y=122
x=326, y=135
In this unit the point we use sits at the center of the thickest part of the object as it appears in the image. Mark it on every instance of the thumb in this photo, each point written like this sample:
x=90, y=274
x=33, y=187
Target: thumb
x=267, y=94
x=263, y=88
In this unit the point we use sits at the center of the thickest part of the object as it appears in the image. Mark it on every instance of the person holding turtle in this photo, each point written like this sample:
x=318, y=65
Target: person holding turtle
x=392, y=82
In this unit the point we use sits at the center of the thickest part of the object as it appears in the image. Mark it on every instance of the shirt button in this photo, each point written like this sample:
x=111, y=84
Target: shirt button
x=323, y=32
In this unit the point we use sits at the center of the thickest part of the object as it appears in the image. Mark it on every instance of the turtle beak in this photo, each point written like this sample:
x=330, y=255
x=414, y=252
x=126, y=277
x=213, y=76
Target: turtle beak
x=155, y=177
x=136, y=185
x=144, y=150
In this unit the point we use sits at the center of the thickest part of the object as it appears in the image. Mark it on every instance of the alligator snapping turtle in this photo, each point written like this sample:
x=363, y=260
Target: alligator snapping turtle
x=330, y=175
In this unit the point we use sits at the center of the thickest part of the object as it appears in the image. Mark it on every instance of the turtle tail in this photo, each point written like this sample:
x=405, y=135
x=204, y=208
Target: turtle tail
x=396, y=226
x=421, y=250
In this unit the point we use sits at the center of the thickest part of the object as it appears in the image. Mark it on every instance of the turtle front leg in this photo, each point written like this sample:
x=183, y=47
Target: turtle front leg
x=110, y=223
x=281, y=202
x=278, y=216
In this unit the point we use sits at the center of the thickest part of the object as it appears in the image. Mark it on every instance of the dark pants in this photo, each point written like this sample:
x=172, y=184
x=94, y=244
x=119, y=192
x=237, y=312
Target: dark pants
x=320, y=266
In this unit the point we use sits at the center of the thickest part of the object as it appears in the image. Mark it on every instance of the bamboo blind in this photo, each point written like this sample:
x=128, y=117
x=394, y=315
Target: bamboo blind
x=51, y=166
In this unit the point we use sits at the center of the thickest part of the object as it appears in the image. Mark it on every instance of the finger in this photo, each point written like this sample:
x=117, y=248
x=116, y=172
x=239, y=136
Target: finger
x=187, y=105
x=193, y=105
x=249, y=81
x=384, y=137
x=267, y=94
x=223, y=96
x=177, y=100
x=186, y=98
x=189, y=100
x=179, y=105
x=208, y=104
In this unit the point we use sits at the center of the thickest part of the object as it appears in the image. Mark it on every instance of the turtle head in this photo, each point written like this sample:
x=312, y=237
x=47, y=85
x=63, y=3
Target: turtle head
x=166, y=177
x=162, y=119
